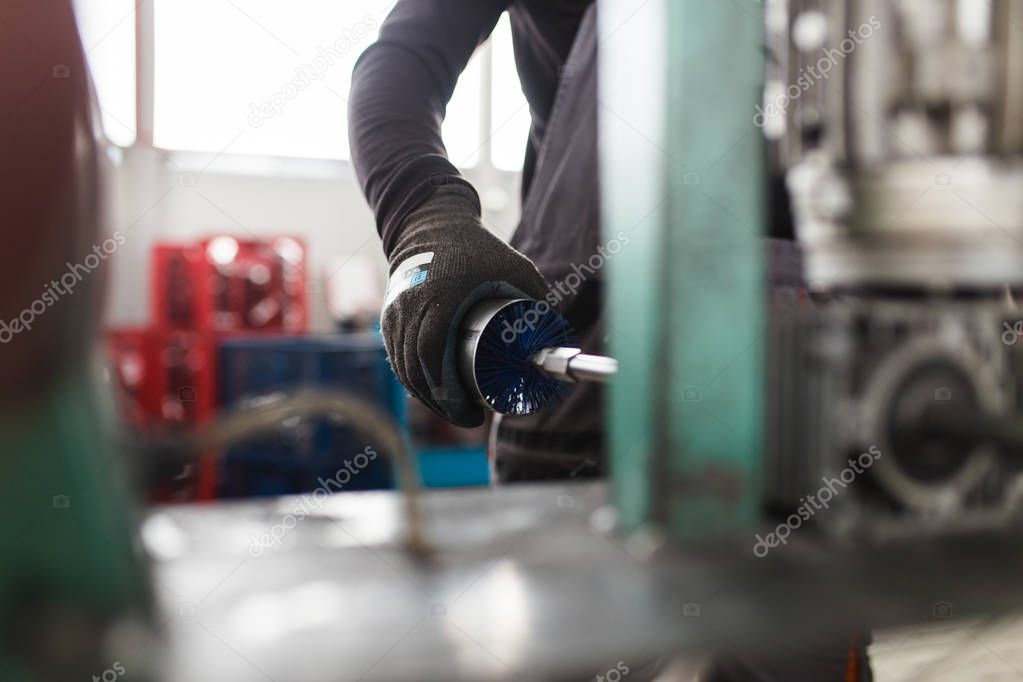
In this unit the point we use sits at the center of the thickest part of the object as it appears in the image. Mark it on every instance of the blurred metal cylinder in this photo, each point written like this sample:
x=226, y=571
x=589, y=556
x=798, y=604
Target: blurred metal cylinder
x=900, y=127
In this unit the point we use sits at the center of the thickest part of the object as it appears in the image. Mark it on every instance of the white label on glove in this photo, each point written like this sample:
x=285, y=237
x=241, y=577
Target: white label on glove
x=410, y=274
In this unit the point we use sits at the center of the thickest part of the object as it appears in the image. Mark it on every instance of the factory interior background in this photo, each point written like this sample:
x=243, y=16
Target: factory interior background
x=244, y=279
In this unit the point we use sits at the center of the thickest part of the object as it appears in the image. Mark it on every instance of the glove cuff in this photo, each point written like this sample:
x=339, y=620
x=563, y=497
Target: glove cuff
x=450, y=206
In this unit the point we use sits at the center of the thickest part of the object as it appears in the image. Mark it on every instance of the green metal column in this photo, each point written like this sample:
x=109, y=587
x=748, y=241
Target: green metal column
x=69, y=566
x=683, y=175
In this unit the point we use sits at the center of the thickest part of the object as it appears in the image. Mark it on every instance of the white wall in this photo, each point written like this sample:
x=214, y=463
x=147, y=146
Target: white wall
x=162, y=196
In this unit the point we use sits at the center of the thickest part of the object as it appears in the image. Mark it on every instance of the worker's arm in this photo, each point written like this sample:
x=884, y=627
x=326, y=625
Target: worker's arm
x=442, y=260
x=400, y=89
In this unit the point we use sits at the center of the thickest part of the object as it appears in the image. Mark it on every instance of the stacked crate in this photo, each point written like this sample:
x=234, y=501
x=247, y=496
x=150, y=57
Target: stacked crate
x=201, y=293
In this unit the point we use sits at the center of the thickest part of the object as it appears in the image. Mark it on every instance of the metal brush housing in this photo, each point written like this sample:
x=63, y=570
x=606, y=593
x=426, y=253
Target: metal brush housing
x=498, y=342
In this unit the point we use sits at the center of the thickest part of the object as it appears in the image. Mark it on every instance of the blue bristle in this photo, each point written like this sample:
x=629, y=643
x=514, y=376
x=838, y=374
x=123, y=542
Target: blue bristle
x=508, y=380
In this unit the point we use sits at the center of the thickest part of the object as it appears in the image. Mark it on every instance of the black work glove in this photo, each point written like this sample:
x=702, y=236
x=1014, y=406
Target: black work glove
x=443, y=262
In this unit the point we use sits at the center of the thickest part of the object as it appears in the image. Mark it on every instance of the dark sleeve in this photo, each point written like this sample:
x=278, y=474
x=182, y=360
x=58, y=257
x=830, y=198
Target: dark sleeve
x=400, y=89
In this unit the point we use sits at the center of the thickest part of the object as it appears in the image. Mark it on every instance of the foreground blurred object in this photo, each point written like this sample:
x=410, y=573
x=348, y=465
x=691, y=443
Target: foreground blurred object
x=686, y=300
x=72, y=578
x=909, y=207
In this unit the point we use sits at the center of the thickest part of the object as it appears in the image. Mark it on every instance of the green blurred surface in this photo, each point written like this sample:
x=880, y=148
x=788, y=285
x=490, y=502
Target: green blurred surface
x=687, y=298
x=68, y=565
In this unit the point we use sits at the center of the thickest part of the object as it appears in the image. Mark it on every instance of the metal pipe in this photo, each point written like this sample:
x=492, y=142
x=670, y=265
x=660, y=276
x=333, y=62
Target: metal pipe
x=595, y=368
x=571, y=364
x=243, y=423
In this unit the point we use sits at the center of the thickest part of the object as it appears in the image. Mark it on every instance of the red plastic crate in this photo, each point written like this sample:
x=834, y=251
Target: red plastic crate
x=131, y=352
x=185, y=378
x=167, y=380
x=186, y=383
x=226, y=285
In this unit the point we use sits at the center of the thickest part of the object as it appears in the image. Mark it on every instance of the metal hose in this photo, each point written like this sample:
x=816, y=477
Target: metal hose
x=244, y=423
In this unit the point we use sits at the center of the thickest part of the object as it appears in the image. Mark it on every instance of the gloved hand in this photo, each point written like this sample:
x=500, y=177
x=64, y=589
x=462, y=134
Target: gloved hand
x=443, y=262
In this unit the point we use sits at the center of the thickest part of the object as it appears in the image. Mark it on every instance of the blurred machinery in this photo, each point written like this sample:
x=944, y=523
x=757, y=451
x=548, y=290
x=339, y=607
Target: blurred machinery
x=898, y=129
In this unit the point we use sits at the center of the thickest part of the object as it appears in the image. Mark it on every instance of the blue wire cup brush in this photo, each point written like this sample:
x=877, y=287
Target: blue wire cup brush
x=517, y=356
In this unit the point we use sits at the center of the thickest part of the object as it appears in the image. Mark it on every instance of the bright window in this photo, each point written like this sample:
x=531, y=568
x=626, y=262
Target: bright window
x=510, y=119
x=278, y=85
x=107, y=28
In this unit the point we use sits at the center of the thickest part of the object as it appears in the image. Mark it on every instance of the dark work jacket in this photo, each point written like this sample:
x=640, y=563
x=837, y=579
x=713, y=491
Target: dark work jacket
x=401, y=85
x=400, y=89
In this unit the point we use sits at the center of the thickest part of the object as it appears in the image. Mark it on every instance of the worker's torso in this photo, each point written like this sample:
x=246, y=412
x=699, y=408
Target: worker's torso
x=556, y=53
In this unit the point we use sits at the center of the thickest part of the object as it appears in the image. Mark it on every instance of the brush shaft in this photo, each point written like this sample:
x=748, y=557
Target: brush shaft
x=595, y=368
x=571, y=364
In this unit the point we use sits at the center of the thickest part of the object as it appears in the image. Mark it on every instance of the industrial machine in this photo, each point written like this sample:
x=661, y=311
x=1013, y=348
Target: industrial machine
x=896, y=127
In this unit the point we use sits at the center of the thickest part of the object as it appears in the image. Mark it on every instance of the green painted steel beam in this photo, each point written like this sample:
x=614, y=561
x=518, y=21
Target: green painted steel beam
x=70, y=563
x=683, y=174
